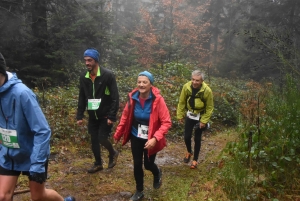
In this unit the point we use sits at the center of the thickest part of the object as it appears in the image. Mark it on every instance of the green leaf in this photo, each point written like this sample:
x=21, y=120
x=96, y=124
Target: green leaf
x=288, y=158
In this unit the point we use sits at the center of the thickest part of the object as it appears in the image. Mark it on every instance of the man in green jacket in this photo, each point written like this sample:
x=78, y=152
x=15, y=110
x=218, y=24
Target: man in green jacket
x=196, y=105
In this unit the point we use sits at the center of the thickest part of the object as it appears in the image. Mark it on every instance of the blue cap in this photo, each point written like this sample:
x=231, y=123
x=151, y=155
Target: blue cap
x=148, y=75
x=91, y=52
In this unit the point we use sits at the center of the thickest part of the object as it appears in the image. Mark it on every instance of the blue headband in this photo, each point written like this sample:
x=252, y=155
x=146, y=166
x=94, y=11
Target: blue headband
x=92, y=53
x=148, y=75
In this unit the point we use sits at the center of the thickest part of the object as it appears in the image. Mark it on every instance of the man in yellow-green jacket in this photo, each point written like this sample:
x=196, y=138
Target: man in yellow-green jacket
x=196, y=106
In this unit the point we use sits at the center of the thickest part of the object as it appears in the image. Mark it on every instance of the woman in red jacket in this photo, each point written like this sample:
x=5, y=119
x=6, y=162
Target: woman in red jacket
x=145, y=121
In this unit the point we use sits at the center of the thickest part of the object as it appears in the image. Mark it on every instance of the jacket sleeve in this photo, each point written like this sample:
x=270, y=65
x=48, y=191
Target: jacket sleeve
x=181, y=107
x=114, y=93
x=209, y=107
x=122, y=124
x=164, y=118
x=81, y=101
x=39, y=128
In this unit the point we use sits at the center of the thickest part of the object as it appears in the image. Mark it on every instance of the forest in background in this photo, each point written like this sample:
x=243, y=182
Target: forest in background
x=249, y=50
x=258, y=39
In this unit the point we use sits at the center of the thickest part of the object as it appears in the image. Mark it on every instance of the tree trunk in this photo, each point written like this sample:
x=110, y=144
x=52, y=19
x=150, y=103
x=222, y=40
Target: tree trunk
x=39, y=30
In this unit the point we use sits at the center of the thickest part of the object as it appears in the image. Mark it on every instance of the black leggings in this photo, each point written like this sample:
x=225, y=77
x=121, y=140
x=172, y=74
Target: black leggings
x=138, y=152
x=100, y=132
x=188, y=130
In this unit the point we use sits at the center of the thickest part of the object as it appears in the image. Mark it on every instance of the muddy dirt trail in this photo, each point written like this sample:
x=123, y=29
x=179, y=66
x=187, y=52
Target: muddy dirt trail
x=68, y=176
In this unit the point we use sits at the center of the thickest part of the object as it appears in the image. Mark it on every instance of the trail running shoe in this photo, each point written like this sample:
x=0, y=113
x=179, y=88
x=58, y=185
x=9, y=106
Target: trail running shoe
x=157, y=181
x=95, y=168
x=113, y=160
x=69, y=198
x=187, y=157
x=137, y=196
x=194, y=165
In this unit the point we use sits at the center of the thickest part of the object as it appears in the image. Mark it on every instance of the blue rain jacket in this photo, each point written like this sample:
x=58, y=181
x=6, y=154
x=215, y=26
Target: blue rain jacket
x=20, y=111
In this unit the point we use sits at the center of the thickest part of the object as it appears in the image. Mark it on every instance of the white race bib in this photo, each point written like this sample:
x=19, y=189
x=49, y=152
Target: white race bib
x=9, y=138
x=142, y=131
x=93, y=104
x=193, y=116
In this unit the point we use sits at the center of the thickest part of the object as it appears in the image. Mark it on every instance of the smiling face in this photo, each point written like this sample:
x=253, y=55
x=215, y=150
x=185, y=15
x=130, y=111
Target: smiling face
x=196, y=81
x=90, y=63
x=144, y=85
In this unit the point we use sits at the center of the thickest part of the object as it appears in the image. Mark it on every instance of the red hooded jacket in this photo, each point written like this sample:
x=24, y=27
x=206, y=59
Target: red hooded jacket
x=159, y=122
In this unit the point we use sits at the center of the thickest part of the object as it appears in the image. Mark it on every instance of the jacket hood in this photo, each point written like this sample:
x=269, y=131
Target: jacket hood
x=12, y=80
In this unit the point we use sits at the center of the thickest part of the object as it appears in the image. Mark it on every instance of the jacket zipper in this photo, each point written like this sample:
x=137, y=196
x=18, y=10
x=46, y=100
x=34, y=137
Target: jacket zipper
x=94, y=95
x=6, y=120
x=14, y=109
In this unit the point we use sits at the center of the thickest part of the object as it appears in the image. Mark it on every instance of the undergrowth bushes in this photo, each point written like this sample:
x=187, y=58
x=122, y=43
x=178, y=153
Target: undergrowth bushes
x=60, y=103
x=262, y=164
x=268, y=148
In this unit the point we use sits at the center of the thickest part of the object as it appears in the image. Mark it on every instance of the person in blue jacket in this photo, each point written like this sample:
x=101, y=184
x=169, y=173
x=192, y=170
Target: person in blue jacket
x=24, y=140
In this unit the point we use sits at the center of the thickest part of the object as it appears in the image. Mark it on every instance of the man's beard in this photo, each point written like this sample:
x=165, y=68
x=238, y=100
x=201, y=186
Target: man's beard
x=90, y=68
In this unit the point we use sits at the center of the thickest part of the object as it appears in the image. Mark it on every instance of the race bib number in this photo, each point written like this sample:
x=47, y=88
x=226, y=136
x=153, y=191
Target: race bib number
x=193, y=116
x=93, y=104
x=143, y=131
x=9, y=138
